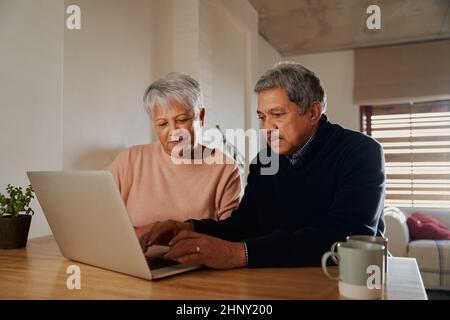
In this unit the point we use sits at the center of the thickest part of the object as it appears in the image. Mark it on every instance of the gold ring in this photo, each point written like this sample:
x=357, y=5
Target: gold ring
x=197, y=248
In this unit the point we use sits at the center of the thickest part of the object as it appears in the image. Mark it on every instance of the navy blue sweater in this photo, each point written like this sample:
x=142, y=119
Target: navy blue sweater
x=292, y=217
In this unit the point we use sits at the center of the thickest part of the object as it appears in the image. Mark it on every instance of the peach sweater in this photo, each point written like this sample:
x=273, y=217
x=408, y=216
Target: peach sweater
x=154, y=188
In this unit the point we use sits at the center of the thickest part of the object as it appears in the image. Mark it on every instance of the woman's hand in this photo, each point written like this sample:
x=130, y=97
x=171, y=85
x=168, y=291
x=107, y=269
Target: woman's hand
x=142, y=232
x=190, y=247
x=160, y=232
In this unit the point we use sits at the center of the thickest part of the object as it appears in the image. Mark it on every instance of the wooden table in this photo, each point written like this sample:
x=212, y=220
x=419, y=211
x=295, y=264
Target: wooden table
x=39, y=272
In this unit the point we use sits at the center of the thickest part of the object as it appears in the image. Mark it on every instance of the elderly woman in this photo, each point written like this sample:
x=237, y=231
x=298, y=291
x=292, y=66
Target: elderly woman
x=154, y=184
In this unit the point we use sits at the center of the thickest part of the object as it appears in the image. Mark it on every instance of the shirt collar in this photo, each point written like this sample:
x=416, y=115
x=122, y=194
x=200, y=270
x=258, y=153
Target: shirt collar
x=297, y=155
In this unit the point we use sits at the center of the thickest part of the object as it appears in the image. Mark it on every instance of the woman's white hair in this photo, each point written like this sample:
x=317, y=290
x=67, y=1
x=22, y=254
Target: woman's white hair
x=175, y=86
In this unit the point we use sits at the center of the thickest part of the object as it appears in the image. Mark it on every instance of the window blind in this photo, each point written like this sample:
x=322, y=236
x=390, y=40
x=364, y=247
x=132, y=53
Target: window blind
x=416, y=143
x=402, y=72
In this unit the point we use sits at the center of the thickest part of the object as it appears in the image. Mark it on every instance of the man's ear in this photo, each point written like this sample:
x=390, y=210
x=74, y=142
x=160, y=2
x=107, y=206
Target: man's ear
x=315, y=112
x=202, y=116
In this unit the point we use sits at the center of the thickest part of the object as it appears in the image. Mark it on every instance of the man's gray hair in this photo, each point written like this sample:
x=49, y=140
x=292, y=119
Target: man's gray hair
x=175, y=86
x=301, y=84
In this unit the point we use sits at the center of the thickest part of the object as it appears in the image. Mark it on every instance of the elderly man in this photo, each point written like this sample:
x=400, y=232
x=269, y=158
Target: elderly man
x=330, y=184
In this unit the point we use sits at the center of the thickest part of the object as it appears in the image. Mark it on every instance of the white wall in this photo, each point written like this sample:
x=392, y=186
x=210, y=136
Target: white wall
x=245, y=17
x=31, y=44
x=107, y=67
x=267, y=58
x=222, y=67
x=336, y=71
x=162, y=20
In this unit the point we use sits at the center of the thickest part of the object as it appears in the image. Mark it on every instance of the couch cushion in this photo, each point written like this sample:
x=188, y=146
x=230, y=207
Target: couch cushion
x=433, y=259
x=422, y=226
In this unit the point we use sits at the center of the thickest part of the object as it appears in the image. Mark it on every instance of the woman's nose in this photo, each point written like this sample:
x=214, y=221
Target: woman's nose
x=173, y=126
x=177, y=134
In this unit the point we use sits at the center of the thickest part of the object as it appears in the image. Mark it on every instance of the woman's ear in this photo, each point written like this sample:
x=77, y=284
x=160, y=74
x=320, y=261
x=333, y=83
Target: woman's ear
x=202, y=116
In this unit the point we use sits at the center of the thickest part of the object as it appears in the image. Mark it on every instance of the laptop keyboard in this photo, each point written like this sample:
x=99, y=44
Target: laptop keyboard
x=158, y=262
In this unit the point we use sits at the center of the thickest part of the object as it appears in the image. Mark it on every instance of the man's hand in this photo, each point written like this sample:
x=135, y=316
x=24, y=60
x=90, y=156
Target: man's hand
x=190, y=247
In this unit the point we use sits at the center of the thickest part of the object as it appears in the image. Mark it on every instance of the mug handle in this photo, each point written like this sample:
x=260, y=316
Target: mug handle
x=325, y=258
x=333, y=249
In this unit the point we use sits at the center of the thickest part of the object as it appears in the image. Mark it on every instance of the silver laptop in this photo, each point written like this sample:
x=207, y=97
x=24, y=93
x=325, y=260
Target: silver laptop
x=91, y=225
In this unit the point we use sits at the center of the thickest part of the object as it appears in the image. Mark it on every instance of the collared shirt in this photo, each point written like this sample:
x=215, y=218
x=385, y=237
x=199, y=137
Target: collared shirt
x=297, y=155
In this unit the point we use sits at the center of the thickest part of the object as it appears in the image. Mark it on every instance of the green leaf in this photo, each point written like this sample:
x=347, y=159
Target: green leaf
x=17, y=201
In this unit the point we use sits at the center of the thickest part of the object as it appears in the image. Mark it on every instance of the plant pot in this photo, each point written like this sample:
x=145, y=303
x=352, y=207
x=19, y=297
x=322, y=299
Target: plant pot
x=14, y=231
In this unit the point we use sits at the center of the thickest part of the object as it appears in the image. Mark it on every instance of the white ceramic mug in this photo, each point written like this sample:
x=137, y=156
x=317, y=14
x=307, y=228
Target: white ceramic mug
x=361, y=268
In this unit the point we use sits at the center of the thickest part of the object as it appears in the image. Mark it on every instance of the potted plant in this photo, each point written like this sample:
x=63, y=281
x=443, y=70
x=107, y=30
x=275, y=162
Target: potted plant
x=15, y=217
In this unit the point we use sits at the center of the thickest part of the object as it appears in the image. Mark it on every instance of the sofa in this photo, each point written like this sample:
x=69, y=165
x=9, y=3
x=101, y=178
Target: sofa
x=433, y=256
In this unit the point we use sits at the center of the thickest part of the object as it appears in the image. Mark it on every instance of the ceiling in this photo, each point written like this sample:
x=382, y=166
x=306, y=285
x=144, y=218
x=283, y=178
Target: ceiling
x=306, y=26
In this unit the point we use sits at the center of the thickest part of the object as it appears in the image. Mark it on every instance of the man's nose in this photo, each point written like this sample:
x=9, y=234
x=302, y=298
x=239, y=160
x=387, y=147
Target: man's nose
x=269, y=125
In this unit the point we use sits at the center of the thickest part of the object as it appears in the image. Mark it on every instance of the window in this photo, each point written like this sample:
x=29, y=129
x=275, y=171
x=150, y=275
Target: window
x=416, y=142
